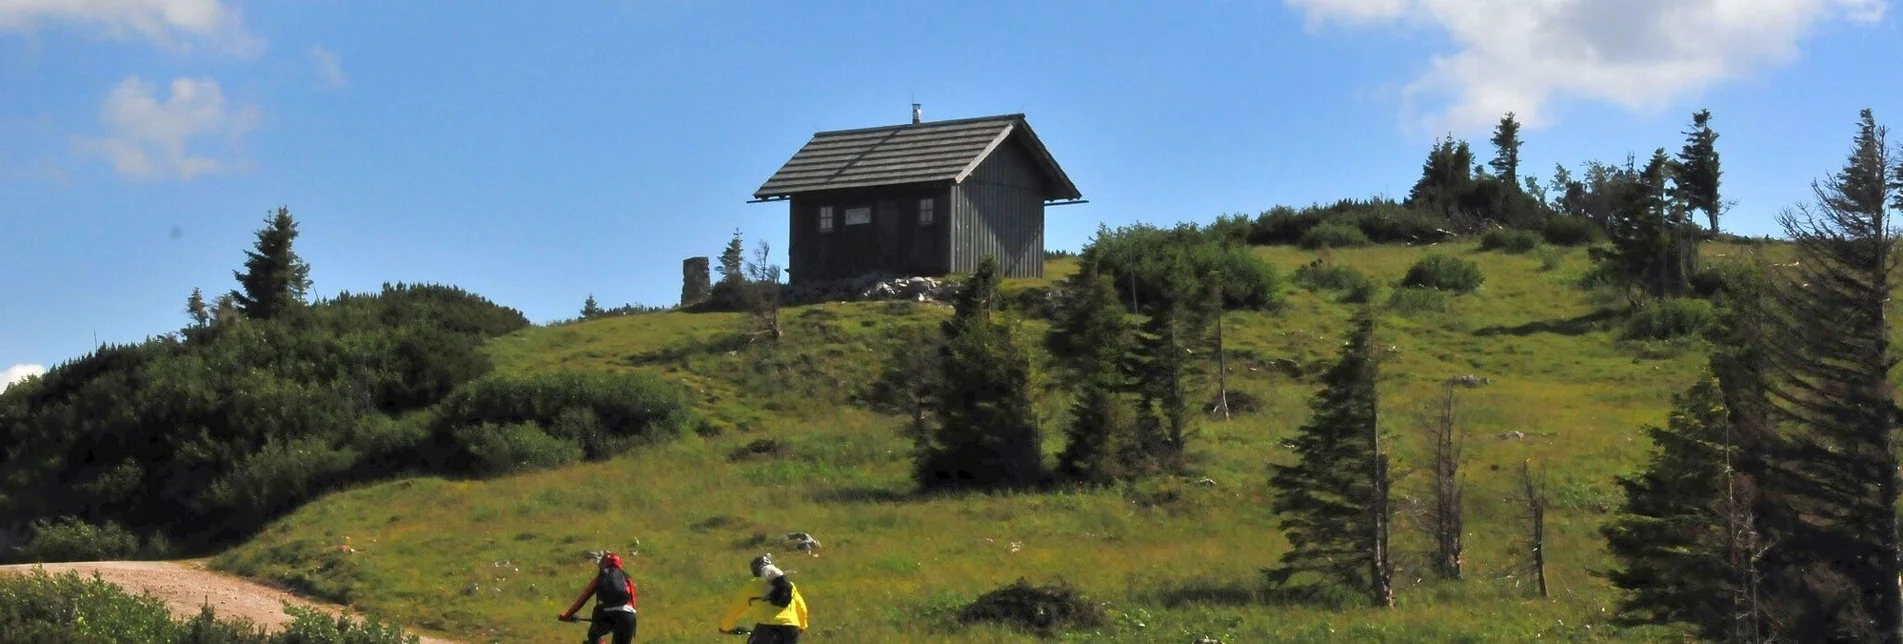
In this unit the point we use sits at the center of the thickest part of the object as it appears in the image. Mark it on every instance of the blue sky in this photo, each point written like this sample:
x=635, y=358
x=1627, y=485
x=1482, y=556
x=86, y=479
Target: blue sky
x=537, y=157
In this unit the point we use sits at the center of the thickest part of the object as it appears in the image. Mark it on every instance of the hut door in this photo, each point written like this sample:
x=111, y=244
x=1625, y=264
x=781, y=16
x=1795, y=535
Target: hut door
x=858, y=242
x=890, y=221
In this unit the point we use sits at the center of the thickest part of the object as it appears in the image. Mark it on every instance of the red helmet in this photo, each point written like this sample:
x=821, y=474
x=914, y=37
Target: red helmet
x=611, y=560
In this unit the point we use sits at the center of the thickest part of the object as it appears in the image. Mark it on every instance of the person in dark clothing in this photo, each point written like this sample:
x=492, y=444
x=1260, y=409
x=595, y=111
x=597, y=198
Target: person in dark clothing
x=614, y=595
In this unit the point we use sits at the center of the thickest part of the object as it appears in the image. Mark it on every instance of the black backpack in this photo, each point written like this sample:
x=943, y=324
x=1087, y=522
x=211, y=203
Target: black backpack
x=611, y=589
x=779, y=592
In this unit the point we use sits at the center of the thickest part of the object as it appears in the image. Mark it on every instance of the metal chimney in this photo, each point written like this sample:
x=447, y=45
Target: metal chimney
x=916, y=113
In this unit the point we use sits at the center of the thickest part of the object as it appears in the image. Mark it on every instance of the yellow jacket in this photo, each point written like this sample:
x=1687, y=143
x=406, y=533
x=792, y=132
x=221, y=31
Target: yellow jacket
x=751, y=601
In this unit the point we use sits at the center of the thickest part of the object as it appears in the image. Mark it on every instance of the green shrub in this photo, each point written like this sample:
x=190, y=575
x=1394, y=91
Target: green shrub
x=1380, y=220
x=1413, y=300
x=1550, y=257
x=1444, y=272
x=1044, y=610
x=601, y=413
x=516, y=447
x=1320, y=276
x=1509, y=240
x=1334, y=234
x=1362, y=292
x=70, y=609
x=70, y=539
x=1664, y=320
x=1157, y=262
x=1570, y=231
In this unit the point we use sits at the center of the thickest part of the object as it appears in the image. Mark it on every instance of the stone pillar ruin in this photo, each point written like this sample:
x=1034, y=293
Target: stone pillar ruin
x=696, y=281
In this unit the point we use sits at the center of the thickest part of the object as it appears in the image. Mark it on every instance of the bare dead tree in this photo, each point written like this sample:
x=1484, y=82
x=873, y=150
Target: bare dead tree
x=1534, y=496
x=762, y=295
x=1446, y=519
x=1222, y=361
x=1381, y=564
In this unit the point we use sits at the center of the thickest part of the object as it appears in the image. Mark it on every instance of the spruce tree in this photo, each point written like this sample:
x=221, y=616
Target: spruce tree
x=733, y=260
x=589, y=309
x=1698, y=173
x=275, y=279
x=1333, y=500
x=1094, y=339
x=1506, y=156
x=1161, y=372
x=987, y=433
x=1833, y=361
x=1671, y=536
x=196, y=309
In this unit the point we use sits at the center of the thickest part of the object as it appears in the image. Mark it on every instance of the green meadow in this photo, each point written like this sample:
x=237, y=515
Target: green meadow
x=1169, y=559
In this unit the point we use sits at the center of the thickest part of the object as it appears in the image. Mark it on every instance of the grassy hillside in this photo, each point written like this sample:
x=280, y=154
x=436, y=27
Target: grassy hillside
x=496, y=560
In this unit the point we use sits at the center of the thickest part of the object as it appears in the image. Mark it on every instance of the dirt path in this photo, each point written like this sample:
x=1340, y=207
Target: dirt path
x=185, y=586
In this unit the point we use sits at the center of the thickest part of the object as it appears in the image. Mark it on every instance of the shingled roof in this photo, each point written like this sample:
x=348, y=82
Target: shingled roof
x=910, y=153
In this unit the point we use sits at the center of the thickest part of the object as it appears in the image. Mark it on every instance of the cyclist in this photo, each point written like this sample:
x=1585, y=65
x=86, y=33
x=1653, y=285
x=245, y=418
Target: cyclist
x=614, y=603
x=777, y=610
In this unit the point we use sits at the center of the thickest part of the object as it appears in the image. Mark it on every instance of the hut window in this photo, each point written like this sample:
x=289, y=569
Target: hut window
x=825, y=219
x=925, y=211
x=857, y=216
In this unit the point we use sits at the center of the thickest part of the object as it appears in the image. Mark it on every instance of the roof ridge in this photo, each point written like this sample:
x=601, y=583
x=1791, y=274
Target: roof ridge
x=996, y=117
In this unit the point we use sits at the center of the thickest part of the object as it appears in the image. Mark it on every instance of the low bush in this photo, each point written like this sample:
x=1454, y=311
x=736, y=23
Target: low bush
x=1444, y=272
x=601, y=413
x=1158, y=263
x=1570, y=231
x=70, y=609
x=516, y=447
x=70, y=539
x=1321, y=276
x=1550, y=257
x=1413, y=300
x=1669, y=319
x=1334, y=234
x=1044, y=610
x=1509, y=240
x=1379, y=220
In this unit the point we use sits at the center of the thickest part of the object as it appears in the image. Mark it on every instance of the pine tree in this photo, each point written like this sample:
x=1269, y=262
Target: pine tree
x=226, y=309
x=1833, y=360
x=987, y=433
x=275, y=279
x=1446, y=177
x=1697, y=174
x=1671, y=537
x=1333, y=499
x=1506, y=145
x=1161, y=372
x=196, y=309
x=589, y=309
x=1094, y=339
x=732, y=267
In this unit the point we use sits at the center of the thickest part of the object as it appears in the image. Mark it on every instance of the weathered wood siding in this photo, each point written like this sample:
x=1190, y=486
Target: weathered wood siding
x=893, y=242
x=999, y=210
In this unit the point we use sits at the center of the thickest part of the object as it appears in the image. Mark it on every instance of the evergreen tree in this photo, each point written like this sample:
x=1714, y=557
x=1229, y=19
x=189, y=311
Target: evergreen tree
x=275, y=279
x=1672, y=537
x=1446, y=177
x=1833, y=361
x=1095, y=339
x=987, y=434
x=1697, y=172
x=733, y=260
x=226, y=309
x=589, y=309
x=1653, y=249
x=1161, y=372
x=1333, y=499
x=1506, y=145
x=196, y=309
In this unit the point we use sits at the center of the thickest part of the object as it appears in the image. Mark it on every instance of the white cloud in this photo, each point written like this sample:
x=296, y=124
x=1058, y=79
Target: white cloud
x=149, y=139
x=172, y=24
x=329, y=68
x=18, y=373
x=1518, y=55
